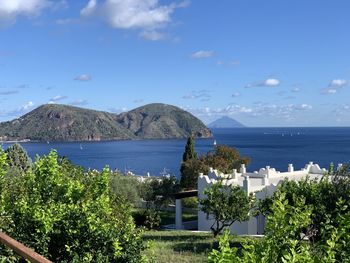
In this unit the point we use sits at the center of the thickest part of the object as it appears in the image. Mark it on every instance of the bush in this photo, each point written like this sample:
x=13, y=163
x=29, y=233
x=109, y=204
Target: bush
x=67, y=215
x=287, y=236
x=148, y=218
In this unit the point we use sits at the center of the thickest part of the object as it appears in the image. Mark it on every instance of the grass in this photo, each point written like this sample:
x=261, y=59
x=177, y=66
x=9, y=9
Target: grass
x=183, y=246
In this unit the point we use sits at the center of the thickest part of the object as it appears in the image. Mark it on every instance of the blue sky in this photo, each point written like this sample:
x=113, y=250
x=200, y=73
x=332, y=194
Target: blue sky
x=264, y=63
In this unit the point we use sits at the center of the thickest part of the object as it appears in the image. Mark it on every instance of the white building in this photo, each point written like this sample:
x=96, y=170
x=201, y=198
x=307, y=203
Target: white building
x=263, y=183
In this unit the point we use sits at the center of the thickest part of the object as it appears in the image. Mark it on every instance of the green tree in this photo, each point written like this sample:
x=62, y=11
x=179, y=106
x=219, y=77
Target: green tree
x=225, y=205
x=189, y=156
x=17, y=158
x=190, y=152
x=223, y=158
x=190, y=171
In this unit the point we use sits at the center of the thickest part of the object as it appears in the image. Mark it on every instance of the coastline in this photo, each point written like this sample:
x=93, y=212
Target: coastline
x=14, y=141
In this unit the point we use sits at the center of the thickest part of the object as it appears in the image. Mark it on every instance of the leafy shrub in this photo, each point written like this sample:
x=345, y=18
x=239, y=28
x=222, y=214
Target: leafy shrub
x=148, y=218
x=67, y=215
x=284, y=241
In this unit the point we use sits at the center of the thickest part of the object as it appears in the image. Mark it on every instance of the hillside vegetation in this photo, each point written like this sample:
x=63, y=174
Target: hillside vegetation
x=53, y=122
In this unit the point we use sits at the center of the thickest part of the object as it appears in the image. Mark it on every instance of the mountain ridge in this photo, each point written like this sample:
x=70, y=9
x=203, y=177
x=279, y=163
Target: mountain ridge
x=60, y=122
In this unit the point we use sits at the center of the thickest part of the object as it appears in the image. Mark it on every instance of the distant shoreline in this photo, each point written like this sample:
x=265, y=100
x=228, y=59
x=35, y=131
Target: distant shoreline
x=14, y=141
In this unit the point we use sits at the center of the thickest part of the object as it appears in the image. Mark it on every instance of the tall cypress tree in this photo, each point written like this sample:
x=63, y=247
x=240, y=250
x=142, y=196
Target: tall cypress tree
x=189, y=156
x=190, y=152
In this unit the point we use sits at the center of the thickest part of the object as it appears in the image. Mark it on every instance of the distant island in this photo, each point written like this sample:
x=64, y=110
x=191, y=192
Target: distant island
x=226, y=122
x=55, y=122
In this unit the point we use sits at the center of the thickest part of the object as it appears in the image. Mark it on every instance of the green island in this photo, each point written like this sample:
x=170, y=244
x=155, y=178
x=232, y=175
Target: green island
x=68, y=123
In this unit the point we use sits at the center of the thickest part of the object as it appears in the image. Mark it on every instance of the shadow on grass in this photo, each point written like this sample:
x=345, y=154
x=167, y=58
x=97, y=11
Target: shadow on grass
x=177, y=238
x=197, y=244
x=197, y=248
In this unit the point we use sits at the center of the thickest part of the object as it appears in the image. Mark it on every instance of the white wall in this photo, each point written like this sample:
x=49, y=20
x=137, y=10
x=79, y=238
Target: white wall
x=263, y=183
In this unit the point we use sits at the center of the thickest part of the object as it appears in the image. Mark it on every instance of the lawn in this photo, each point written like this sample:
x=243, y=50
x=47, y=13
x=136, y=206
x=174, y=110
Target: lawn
x=183, y=246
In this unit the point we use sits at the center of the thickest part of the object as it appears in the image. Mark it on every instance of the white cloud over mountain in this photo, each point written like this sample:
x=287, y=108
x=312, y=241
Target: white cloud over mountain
x=57, y=98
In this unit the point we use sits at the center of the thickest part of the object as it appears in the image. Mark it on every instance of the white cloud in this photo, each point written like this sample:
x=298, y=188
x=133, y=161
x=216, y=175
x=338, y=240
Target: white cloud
x=198, y=94
x=11, y=9
x=338, y=83
x=83, y=77
x=152, y=35
x=305, y=107
x=202, y=54
x=334, y=86
x=8, y=92
x=236, y=94
x=285, y=112
x=342, y=110
x=27, y=106
x=147, y=15
x=89, y=9
x=64, y=21
x=118, y=110
x=270, y=82
x=57, y=98
x=19, y=111
x=295, y=89
x=60, y=5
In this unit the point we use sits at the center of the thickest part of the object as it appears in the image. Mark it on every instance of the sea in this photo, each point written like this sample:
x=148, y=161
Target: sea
x=274, y=147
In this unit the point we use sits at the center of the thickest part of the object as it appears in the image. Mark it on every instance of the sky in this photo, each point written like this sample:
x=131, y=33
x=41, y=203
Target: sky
x=264, y=63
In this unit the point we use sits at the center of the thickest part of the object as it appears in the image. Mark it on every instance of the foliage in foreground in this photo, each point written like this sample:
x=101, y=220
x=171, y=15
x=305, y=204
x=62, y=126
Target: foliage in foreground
x=284, y=240
x=66, y=214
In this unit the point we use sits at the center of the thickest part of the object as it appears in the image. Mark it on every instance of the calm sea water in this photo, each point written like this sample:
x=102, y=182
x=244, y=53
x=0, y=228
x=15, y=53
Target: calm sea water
x=265, y=146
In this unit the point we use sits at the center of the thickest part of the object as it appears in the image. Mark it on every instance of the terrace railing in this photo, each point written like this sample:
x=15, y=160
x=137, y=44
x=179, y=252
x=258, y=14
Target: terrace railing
x=22, y=250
